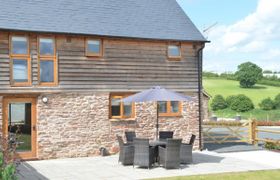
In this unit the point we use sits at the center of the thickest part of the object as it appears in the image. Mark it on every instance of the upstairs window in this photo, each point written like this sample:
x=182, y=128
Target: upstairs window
x=47, y=61
x=19, y=45
x=94, y=47
x=169, y=108
x=20, y=74
x=174, y=51
x=119, y=109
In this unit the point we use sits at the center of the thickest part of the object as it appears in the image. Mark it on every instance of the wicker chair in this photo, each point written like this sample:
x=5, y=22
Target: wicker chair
x=186, y=151
x=129, y=136
x=163, y=135
x=169, y=156
x=143, y=153
x=126, y=153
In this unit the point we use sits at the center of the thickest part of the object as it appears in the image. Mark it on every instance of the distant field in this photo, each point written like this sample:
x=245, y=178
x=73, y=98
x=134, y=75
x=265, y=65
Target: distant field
x=230, y=87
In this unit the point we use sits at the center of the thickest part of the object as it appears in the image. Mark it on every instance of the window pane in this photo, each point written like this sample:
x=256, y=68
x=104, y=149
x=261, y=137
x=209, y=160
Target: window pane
x=162, y=107
x=46, y=46
x=19, y=45
x=174, y=106
x=46, y=71
x=93, y=46
x=173, y=50
x=116, y=106
x=20, y=73
x=127, y=108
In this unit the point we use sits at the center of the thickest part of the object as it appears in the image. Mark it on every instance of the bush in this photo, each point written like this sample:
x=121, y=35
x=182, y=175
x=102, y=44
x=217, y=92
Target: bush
x=210, y=74
x=218, y=103
x=230, y=99
x=267, y=104
x=7, y=171
x=271, y=145
x=242, y=103
x=277, y=101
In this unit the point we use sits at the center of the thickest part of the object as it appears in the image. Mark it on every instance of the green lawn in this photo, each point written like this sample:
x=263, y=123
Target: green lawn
x=257, y=94
x=230, y=87
x=252, y=175
x=258, y=114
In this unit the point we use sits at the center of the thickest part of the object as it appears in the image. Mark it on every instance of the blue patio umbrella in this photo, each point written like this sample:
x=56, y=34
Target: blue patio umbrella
x=156, y=94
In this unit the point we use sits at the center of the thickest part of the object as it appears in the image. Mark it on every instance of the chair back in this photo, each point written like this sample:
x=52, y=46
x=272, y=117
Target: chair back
x=130, y=135
x=141, y=151
x=163, y=135
x=192, y=139
x=120, y=140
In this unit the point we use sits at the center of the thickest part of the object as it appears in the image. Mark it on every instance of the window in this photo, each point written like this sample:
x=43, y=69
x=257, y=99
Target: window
x=47, y=61
x=20, y=61
x=174, y=51
x=94, y=47
x=119, y=109
x=169, y=108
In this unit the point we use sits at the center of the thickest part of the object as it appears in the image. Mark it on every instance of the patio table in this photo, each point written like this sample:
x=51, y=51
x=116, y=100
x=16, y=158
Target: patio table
x=156, y=144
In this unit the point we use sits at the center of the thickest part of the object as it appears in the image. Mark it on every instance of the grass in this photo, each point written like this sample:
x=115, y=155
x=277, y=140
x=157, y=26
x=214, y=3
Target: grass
x=251, y=175
x=258, y=114
x=226, y=88
x=230, y=87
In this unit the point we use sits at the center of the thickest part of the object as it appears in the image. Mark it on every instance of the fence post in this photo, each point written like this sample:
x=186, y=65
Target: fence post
x=252, y=132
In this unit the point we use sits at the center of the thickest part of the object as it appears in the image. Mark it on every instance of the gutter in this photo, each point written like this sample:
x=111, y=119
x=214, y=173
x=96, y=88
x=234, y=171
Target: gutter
x=199, y=67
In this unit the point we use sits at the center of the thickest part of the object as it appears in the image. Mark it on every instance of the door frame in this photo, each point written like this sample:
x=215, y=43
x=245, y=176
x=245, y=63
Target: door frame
x=33, y=100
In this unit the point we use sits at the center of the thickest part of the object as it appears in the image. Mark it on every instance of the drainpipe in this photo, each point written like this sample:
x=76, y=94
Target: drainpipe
x=199, y=67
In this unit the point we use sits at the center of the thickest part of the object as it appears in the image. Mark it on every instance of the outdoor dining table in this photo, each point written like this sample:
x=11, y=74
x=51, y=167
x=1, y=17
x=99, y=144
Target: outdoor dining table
x=156, y=144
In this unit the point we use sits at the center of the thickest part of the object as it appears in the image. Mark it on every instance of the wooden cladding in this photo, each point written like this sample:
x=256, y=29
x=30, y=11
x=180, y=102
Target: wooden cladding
x=126, y=65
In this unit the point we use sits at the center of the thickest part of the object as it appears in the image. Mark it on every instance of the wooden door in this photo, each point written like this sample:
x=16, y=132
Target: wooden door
x=19, y=121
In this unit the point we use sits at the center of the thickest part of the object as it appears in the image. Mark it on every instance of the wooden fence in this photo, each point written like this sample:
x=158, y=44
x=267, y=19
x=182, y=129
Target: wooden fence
x=247, y=132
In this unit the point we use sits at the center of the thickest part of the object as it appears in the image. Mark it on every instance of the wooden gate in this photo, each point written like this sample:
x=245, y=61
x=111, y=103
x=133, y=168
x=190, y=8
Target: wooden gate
x=223, y=132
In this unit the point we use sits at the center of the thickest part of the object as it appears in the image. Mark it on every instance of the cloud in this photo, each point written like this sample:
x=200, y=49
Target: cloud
x=255, y=36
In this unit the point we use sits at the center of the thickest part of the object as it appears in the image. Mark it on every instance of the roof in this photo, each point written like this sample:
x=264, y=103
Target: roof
x=148, y=19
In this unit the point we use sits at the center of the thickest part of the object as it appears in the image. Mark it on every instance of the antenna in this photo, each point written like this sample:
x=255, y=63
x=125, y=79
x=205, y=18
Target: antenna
x=207, y=30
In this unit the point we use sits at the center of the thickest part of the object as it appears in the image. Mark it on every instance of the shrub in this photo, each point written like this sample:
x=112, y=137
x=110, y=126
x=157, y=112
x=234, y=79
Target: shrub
x=242, y=103
x=277, y=101
x=218, y=103
x=271, y=145
x=267, y=104
x=230, y=99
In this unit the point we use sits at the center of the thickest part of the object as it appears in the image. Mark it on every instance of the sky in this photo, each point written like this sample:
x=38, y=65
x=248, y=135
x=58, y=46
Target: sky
x=246, y=30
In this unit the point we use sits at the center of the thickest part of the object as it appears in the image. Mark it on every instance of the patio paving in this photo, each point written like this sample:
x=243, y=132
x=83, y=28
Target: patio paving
x=205, y=162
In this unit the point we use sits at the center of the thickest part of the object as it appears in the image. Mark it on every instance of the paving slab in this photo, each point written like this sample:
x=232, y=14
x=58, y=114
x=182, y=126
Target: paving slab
x=205, y=162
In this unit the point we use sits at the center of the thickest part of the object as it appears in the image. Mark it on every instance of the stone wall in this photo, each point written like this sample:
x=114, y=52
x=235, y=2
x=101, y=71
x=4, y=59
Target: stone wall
x=78, y=124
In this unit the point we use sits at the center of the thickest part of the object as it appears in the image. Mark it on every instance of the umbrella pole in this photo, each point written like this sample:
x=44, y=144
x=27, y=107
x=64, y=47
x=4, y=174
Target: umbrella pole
x=157, y=121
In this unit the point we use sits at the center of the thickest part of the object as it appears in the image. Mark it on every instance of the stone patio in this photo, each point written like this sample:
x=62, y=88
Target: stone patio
x=108, y=168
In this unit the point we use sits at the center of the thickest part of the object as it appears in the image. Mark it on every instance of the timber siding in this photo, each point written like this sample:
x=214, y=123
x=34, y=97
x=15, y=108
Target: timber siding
x=126, y=65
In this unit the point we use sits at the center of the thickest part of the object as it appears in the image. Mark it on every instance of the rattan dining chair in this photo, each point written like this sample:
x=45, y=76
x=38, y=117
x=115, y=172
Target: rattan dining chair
x=126, y=153
x=143, y=153
x=169, y=156
x=186, y=151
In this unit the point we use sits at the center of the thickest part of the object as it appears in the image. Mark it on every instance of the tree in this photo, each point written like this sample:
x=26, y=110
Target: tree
x=218, y=103
x=248, y=74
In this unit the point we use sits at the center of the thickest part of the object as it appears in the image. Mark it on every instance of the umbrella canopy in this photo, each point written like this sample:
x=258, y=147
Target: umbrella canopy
x=156, y=93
